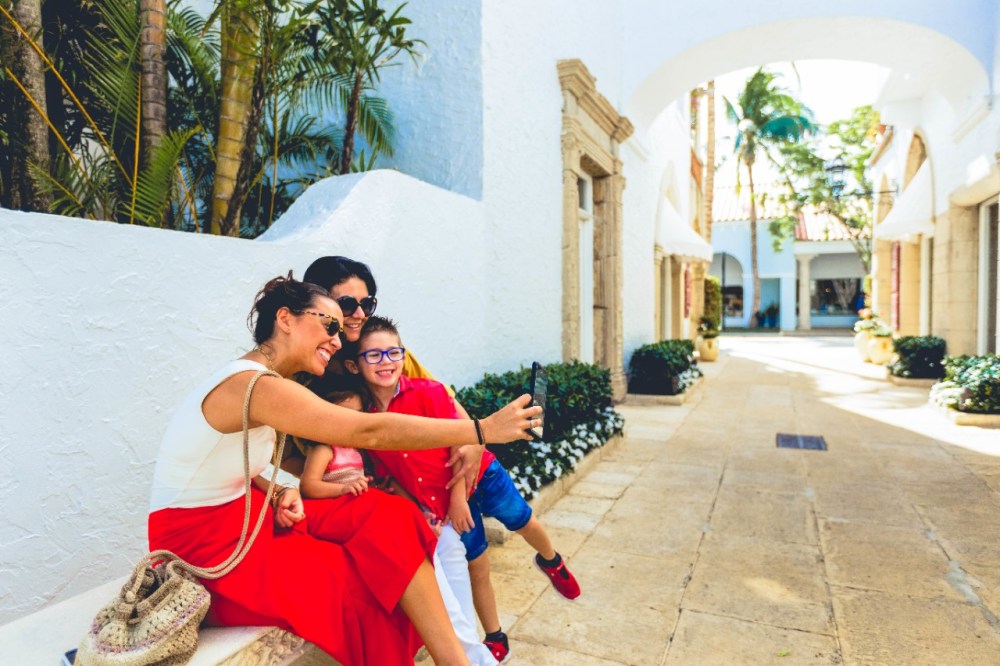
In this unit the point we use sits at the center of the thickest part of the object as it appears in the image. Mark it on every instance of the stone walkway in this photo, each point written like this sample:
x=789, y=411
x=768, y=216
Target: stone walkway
x=700, y=542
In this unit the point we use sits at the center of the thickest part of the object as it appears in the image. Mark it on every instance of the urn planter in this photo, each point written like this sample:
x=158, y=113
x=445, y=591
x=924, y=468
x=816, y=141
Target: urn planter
x=708, y=349
x=861, y=339
x=880, y=349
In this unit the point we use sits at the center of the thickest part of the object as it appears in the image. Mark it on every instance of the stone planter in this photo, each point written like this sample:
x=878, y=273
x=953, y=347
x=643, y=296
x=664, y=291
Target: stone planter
x=861, y=339
x=708, y=349
x=880, y=349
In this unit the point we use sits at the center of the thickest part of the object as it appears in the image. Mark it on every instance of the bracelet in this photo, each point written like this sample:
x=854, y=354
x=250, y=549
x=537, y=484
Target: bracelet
x=479, y=432
x=278, y=493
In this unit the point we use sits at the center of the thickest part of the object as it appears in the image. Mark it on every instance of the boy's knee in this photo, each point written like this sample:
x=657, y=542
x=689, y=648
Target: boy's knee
x=479, y=568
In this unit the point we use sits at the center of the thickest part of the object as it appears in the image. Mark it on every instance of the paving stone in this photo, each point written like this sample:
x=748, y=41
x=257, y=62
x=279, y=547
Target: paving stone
x=890, y=559
x=681, y=483
x=867, y=503
x=627, y=617
x=709, y=640
x=773, y=583
x=881, y=628
x=775, y=482
x=745, y=511
x=672, y=531
x=533, y=654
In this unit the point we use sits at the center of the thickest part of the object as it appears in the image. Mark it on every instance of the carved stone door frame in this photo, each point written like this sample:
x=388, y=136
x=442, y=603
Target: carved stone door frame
x=592, y=131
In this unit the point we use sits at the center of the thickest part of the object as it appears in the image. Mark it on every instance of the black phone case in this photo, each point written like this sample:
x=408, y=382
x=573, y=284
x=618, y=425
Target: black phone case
x=539, y=389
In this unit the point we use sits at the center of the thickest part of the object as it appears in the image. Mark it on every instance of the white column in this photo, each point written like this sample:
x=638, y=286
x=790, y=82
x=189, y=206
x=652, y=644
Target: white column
x=805, y=323
x=786, y=314
x=925, y=286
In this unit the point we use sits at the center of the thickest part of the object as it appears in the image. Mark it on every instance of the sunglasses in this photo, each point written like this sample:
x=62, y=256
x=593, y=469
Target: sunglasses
x=333, y=326
x=349, y=305
x=374, y=356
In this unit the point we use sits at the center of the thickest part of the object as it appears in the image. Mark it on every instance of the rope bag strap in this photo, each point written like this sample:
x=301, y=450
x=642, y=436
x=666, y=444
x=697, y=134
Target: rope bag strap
x=245, y=542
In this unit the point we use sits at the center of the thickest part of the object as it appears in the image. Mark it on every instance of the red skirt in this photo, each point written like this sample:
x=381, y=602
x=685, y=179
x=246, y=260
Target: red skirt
x=335, y=578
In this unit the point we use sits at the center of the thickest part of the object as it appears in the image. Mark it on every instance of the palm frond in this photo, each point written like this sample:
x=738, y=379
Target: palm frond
x=156, y=183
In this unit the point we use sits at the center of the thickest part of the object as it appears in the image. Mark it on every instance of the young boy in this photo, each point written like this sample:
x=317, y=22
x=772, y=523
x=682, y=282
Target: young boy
x=379, y=361
x=330, y=473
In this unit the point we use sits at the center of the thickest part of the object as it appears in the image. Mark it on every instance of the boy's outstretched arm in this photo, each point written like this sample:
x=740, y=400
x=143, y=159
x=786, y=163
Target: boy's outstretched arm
x=459, y=512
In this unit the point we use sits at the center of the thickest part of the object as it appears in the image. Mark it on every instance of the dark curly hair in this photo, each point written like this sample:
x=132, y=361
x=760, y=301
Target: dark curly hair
x=328, y=272
x=280, y=292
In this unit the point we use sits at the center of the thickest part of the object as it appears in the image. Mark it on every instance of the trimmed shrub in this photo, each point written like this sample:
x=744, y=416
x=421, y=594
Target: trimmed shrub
x=918, y=357
x=578, y=418
x=663, y=368
x=713, y=303
x=971, y=384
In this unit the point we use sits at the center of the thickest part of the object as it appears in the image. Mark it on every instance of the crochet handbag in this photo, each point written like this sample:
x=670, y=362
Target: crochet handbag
x=153, y=621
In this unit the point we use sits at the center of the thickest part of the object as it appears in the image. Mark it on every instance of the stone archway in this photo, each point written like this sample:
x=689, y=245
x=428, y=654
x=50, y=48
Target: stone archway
x=592, y=274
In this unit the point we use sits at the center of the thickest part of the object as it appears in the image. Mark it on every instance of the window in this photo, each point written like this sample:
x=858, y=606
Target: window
x=732, y=301
x=842, y=296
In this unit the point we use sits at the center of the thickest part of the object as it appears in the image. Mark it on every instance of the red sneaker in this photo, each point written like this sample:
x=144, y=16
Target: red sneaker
x=560, y=577
x=499, y=648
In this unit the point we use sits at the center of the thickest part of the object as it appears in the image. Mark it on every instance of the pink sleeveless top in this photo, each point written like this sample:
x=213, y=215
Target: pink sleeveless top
x=345, y=466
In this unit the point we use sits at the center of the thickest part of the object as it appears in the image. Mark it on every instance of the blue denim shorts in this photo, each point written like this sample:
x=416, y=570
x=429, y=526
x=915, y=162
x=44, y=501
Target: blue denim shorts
x=497, y=497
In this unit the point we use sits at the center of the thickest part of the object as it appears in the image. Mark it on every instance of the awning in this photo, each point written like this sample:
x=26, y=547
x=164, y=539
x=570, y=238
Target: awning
x=677, y=237
x=912, y=213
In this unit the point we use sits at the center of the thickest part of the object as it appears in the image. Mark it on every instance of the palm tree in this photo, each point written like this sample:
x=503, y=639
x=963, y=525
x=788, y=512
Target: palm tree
x=709, y=184
x=240, y=31
x=26, y=131
x=361, y=38
x=153, y=87
x=766, y=117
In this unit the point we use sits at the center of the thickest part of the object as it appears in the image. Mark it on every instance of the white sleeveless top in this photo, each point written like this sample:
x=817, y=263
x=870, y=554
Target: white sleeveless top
x=200, y=466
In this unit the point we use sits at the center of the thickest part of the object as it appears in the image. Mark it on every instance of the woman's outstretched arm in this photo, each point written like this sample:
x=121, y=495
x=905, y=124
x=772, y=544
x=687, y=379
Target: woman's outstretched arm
x=291, y=408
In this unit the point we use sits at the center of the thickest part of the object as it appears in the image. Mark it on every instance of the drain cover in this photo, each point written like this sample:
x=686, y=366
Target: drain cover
x=812, y=442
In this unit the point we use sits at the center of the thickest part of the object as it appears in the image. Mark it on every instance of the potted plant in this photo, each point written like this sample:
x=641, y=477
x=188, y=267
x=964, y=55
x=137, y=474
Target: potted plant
x=862, y=332
x=708, y=339
x=880, y=347
x=771, y=315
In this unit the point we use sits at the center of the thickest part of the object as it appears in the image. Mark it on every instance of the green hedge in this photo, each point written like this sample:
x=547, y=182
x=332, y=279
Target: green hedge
x=579, y=417
x=662, y=368
x=971, y=384
x=713, y=303
x=918, y=357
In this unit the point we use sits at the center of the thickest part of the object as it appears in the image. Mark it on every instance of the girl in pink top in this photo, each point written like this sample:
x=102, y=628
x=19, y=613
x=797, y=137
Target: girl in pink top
x=332, y=471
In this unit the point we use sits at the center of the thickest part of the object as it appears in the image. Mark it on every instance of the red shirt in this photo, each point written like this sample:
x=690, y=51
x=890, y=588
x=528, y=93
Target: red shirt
x=423, y=474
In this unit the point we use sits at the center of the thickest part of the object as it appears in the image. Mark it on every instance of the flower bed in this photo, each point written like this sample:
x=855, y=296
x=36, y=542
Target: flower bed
x=971, y=384
x=663, y=368
x=918, y=357
x=578, y=418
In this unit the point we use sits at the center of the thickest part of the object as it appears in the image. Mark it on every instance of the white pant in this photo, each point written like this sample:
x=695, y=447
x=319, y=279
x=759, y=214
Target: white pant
x=452, y=572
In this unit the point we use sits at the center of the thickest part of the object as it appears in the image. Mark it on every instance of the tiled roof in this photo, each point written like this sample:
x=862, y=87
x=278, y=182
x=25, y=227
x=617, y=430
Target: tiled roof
x=812, y=226
x=731, y=207
x=815, y=226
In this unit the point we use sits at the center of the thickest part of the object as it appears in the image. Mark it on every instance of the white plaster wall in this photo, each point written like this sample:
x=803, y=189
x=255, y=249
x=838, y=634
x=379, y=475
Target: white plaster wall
x=438, y=102
x=108, y=326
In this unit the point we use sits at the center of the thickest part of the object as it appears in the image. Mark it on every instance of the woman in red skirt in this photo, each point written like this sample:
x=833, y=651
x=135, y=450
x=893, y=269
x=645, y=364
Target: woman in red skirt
x=350, y=574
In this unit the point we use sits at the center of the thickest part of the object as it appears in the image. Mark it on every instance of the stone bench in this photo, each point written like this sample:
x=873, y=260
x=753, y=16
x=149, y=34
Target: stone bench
x=44, y=636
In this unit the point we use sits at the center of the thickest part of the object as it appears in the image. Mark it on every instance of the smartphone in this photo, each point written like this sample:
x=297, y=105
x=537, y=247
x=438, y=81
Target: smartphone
x=539, y=386
x=69, y=658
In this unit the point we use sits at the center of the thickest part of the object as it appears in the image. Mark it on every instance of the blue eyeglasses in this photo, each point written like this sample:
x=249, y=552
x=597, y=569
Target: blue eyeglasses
x=374, y=356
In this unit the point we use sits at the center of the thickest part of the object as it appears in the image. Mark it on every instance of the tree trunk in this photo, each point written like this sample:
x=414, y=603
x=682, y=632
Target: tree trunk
x=247, y=160
x=347, y=153
x=240, y=33
x=153, y=88
x=709, y=182
x=29, y=142
x=753, y=251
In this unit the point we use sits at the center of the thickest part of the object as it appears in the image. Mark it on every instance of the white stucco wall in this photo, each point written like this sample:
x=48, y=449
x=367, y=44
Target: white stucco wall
x=438, y=102
x=109, y=325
